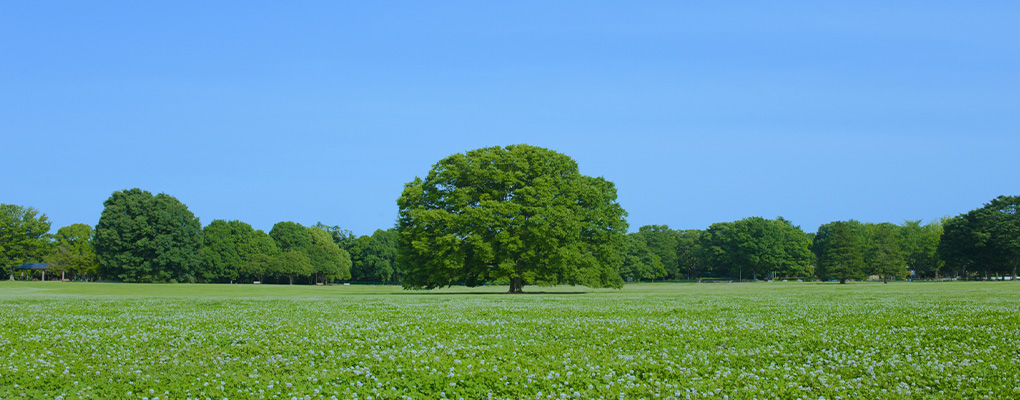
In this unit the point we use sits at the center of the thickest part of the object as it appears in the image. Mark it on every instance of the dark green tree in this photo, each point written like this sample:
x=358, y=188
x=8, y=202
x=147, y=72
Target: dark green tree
x=220, y=261
x=73, y=251
x=1000, y=220
x=290, y=236
x=259, y=266
x=920, y=247
x=840, y=248
x=375, y=257
x=23, y=236
x=756, y=246
x=663, y=242
x=518, y=213
x=228, y=246
x=291, y=264
x=985, y=240
x=956, y=246
x=884, y=256
x=342, y=237
x=716, y=245
x=146, y=238
x=329, y=262
x=639, y=261
x=689, y=254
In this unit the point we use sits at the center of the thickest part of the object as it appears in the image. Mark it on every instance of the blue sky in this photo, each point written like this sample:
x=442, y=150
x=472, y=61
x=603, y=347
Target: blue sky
x=699, y=112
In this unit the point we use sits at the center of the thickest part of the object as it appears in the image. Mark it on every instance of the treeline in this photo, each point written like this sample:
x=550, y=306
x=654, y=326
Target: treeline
x=758, y=248
x=142, y=237
x=983, y=243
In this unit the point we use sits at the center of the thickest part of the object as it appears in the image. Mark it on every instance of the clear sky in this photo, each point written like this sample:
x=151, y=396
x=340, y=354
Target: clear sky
x=700, y=112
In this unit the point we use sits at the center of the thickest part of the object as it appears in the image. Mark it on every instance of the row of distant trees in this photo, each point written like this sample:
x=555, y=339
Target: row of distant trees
x=154, y=238
x=984, y=243
x=517, y=215
x=759, y=248
x=142, y=237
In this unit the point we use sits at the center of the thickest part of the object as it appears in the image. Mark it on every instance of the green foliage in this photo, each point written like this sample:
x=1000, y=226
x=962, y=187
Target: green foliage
x=329, y=262
x=292, y=264
x=639, y=261
x=755, y=246
x=229, y=246
x=920, y=247
x=883, y=255
x=518, y=213
x=258, y=267
x=342, y=237
x=72, y=251
x=663, y=242
x=375, y=257
x=985, y=240
x=146, y=238
x=23, y=236
x=689, y=254
x=290, y=236
x=840, y=248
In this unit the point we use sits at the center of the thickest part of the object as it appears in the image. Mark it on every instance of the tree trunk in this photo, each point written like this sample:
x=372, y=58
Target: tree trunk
x=291, y=277
x=516, y=285
x=842, y=281
x=885, y=279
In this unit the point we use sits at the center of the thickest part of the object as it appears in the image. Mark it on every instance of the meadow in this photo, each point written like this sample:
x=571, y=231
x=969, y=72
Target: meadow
x=669, y=341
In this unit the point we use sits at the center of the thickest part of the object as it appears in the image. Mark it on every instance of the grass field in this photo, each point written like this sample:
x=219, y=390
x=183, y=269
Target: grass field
x=743, y=341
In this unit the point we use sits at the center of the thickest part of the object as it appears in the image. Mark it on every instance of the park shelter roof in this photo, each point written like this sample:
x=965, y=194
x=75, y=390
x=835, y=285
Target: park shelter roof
x=34, y=266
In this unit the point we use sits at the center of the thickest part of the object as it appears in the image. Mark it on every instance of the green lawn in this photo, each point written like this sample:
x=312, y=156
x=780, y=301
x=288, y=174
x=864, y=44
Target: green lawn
x=763, y=340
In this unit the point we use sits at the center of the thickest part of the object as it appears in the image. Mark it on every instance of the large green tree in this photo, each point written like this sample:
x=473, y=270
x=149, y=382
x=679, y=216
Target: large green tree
x=230, y=245
x=884, y=255
x=329, y=262
x=375, y=257
x=756, y=246
x=920, y=247
x=662, y=241
x=840, y=248
x=689, y=253
x=290, y=236
x=518, y=213
x=639, y=261
x=146, y=238
x=291, y=264
x=72, y=251
x=23, y=236
x=342, y=237
x=985, y=240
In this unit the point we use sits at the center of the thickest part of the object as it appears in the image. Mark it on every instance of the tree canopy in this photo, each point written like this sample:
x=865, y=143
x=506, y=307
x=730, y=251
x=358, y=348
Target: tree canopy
x=229, y=246
x=329, y=262
x=23, y=236
x=756, y=246
x=374, y=257
x=840, y=248
x=518, y=213
x=146, y=238
x=883, y=254
x=920, y=244
x=290, y=236
x=639, y=261
x=985, y=240
x=662, y=242
x=73, y=252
